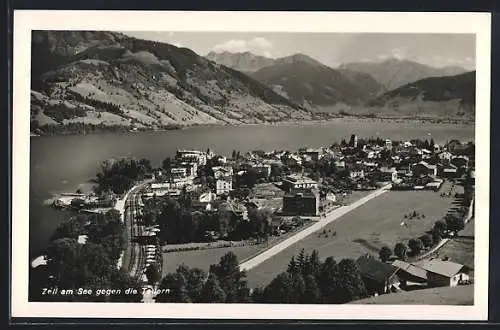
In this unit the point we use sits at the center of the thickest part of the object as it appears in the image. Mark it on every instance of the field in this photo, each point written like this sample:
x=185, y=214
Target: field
x=364, y=230
x=204, y=258
x=460, y=295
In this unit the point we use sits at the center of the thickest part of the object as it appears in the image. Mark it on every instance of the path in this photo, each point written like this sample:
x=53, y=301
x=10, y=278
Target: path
x=332, y=216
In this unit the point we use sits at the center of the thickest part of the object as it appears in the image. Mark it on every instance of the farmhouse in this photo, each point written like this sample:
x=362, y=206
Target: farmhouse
x=379, y=277
x=409, y=273
x=445, y=273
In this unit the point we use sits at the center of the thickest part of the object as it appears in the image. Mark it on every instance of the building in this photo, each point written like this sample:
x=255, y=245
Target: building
x=388, y=144
x=263, y=170
x=301, y=202
x=178, y=173
x=409, y=274
x=388, y=174
x=448, y=171
x=423, y=169
x=313, y=154
x=354, y=141
x=223, y=186
x=164, y=188
x=379, y=277
x=192, y=155
x=445, y=156
x=445, y=273
x=356, y=173
x=296, y=181
x=222, y=171
x=461, y=162
x=230, y=212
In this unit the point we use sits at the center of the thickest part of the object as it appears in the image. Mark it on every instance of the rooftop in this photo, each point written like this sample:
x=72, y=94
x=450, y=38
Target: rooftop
x=442, y=267
x=299, y=178
x=411, y=269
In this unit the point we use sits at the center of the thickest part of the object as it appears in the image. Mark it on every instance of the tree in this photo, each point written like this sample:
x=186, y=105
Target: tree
x=280, y=290
x=311, y=292
x=454, y=223
x=416, y=246
x=400, y=250
x=385, y=254
x=328, y=280
x=62, y=255
x=231, y=279
x=153, y=274
x=312, y=265
x=441, y=226
x=123, y=281
x=212, y=291
x=167, y=164
x=301, y=260
x=351, y=285
x=176, y=291
x=195, y=278
x=436, y=236
x=426, y=240
x=292, y=266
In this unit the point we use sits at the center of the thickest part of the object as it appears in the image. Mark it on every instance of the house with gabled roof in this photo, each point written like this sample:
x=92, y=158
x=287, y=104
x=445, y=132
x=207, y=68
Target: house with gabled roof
x=445, y=272
x=410, y=273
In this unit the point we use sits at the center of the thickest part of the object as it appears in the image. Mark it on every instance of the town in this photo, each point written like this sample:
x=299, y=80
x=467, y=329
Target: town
x=202, y=200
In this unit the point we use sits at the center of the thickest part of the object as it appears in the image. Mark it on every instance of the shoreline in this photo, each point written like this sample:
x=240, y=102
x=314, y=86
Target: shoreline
x=314, y=122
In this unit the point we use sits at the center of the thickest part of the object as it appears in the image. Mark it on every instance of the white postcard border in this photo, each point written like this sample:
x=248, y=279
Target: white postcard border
x=27, y=20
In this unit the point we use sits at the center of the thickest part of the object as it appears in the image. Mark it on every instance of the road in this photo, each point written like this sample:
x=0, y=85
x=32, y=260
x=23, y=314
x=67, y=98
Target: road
x=332, y=216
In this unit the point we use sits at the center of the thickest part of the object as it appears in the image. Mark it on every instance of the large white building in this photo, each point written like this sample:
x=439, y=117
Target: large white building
x=199, y=157
x=296, y=181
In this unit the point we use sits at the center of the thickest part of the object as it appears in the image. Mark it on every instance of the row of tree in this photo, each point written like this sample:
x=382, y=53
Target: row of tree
x=451, y=224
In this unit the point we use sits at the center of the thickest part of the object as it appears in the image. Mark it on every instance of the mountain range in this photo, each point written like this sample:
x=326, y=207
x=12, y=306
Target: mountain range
x=394, y=73
x=316, y=86
x=106, y=80
x=110, y=79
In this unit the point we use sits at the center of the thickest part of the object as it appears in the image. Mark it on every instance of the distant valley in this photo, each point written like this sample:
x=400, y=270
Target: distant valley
x=91, y=81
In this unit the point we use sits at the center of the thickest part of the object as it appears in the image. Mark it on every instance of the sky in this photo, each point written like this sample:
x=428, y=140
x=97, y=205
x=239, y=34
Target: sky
x=332, y=49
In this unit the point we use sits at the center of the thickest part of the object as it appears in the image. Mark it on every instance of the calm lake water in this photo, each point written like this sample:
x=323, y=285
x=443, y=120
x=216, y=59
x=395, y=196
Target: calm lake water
x=62, y=163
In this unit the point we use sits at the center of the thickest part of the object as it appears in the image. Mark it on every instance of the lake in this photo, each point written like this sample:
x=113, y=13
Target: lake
x=62, y=163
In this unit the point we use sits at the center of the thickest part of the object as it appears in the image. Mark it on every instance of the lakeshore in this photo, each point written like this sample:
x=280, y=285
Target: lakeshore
x=313, y=122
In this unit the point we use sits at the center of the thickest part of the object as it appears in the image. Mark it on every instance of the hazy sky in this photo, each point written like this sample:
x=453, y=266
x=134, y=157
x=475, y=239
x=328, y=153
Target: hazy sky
x=331, y=48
